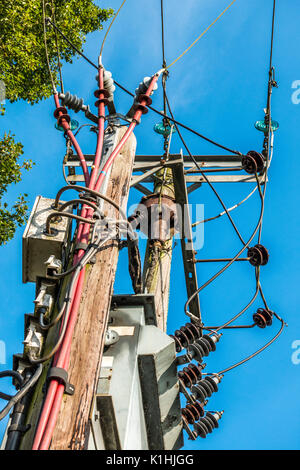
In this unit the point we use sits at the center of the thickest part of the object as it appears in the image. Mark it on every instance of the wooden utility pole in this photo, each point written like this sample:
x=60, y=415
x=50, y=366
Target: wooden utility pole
x=158, y=258
x=72, y=427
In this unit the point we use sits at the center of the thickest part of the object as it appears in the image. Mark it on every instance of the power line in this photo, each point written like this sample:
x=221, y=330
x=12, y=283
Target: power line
x=254, y=354
x=203, y=174
x=236, y=152
x=106, y=34
x=201, y=35
x=46, y=49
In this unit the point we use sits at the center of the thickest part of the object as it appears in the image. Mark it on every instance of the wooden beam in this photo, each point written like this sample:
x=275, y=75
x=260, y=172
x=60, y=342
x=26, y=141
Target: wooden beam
x=158, y=258
x=73, y=427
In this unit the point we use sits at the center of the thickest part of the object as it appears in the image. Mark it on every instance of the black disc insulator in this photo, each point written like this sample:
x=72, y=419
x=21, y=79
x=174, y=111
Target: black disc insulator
x=212, y=383
x=258, y=254
x=206, y=425
x=205, y=388
x=202, y=347
x=253, y=162
x=190, y=374
x=186, y=335
x=263, y=317
x=200, y=429
x=193, y=412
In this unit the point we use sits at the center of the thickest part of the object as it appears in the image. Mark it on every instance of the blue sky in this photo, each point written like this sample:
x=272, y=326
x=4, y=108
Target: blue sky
x=218, y=88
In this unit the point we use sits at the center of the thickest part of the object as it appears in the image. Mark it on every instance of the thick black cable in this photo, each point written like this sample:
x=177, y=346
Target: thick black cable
x=203, y=174
x=257, y=275
x=236, y=152
x=15, y=375
x=234, y=258
x=22, y=392
x=256, y=353
x=268, y=116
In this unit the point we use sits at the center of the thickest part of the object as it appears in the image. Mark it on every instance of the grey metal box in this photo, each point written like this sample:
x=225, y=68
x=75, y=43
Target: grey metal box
x=37, y=246
x=137, y=404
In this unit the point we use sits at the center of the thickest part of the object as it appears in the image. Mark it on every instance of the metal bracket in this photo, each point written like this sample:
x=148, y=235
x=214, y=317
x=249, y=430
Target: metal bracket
x=18, y=428
x=181, y=197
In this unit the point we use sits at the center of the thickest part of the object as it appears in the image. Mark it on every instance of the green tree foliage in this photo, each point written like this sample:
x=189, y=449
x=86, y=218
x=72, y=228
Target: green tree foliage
x=23, y=66
x=24, y=73
x=11, y=172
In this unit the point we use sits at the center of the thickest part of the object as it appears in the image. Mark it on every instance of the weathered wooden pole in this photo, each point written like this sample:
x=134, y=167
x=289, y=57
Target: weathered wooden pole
x=158, y=258
x=72, y=427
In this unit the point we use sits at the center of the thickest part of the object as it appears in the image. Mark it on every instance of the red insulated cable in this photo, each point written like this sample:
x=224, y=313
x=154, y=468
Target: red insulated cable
x=54, y=402
x=126, y=136
x=100, y=139
x=62, y=362
x=45, y=426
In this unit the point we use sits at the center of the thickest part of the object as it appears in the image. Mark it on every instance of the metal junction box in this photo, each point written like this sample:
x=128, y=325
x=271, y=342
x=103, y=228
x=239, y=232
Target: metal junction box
x=137, y=405
x=37, y=246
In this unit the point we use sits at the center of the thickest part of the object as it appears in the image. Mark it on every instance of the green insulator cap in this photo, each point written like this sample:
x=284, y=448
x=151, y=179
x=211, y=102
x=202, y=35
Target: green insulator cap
x=73, y=125
x=262, y=126
x=163, y=130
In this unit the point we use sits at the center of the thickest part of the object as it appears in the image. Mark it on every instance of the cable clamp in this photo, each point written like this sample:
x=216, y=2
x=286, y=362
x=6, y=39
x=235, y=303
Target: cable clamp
x=136, y=121
x=81, y=246
x=61, y=375
x=18, y=428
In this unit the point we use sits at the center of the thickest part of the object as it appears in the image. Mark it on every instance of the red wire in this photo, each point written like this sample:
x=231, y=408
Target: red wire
x=45, y=426
x=55, y=390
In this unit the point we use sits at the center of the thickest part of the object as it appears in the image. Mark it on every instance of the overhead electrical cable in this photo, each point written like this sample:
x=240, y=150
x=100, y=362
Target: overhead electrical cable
x=57, y=51
x=236, y=152
x=221, y=271
x=256, y=353
x=22, y=392
x=55, y=391
x=46, y=49
x=203, y=174
x=108, y=29
x=201, y=35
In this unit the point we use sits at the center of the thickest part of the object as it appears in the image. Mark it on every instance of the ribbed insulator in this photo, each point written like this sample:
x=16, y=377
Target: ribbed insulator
x=263, y=317
x=207, y=424
x=144, y=85
x=72, y=101
x=203, y=346
x=206, y=387
x=186, y=335
x=191, y=374
x=193, y=411
x=108, y=82
x=253, y=162
x=258, y=254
